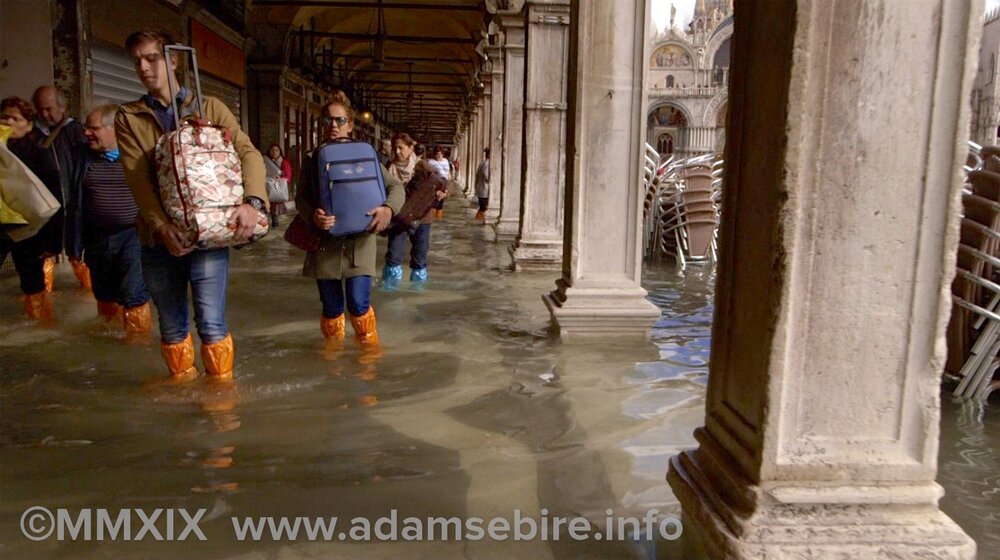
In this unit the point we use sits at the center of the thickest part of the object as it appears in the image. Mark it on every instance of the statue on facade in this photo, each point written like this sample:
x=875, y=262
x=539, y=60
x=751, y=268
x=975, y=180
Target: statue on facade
x=673, y=15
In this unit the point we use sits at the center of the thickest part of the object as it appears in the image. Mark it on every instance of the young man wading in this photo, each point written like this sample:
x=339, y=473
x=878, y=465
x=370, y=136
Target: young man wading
x=169, y=263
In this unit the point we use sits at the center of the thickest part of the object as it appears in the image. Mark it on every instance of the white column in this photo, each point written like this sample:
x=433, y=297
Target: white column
x=599, y=292
x=496, y=76
x=539, y=242
x=513, y=119
x=837, y=252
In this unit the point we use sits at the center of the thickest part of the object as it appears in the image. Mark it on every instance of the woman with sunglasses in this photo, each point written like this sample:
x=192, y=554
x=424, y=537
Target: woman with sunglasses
x=344, y=266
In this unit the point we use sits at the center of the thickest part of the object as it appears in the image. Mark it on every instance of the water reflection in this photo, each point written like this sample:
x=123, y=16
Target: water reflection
x=471, y=408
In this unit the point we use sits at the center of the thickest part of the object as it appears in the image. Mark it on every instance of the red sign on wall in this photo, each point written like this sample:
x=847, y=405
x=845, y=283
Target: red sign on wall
x=218, y=56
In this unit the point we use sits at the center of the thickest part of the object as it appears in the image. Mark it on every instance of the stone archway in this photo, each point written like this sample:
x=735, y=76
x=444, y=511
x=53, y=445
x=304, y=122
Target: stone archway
x=670, y=122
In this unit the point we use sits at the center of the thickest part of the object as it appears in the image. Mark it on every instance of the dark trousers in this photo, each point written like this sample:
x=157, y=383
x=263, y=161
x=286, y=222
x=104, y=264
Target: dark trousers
x=359, y=294
x=28, y=263
x=484, y=202
x=115, y=262
x=420, y=241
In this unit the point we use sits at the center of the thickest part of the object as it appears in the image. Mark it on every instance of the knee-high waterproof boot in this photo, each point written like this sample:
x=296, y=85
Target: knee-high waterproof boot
x=39, y=307
x=138, y=322
x=49, y=269
x=366, y=328
x=82, y=273
x=218, y=359
x=333, y=331
x=108, y=310
x=180, y=359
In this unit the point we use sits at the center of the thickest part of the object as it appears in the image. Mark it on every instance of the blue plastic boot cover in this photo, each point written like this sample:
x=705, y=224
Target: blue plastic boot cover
x=418, y=275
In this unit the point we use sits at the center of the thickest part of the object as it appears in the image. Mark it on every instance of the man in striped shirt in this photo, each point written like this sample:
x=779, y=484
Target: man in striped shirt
x=101, y=216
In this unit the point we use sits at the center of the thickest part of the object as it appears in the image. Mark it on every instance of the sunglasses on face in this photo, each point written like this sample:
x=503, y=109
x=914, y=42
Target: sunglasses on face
x=339, y=121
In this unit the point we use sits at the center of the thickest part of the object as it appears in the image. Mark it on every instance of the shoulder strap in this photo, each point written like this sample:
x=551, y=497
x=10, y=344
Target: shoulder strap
x=55, y=132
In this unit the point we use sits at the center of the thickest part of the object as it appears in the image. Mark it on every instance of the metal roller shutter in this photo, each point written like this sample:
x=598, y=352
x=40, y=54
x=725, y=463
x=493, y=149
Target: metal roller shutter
x=229, y=94
x=114, y=75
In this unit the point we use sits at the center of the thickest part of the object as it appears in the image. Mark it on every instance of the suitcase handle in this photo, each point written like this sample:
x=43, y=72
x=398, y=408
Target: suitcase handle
x=197, y=80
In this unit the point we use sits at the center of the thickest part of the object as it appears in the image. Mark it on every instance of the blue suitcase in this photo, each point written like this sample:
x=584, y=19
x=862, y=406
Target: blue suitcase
x=350, y=184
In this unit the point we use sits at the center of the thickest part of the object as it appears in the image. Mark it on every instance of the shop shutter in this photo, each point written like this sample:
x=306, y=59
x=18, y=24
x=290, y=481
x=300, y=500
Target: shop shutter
x=114, y=75
x=229, y=94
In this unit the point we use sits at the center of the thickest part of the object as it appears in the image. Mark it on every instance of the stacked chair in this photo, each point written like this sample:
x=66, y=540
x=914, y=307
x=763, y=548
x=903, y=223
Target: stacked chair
x=974, y=329
x=681, y=209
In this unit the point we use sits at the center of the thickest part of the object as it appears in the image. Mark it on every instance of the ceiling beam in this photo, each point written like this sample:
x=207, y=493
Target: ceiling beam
x=388, y=37
x=412, y=58
x=386, y=5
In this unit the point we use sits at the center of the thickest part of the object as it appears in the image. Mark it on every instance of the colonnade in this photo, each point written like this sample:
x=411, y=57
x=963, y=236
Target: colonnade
x=821, y=428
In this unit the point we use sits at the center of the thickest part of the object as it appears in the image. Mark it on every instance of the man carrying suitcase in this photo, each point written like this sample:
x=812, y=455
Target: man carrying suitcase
x=169, y=263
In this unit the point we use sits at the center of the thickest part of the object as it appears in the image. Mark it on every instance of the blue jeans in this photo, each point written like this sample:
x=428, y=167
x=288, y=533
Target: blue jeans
x=115, y=262
x=168, y=278
x=420, y=239
x=359, y=296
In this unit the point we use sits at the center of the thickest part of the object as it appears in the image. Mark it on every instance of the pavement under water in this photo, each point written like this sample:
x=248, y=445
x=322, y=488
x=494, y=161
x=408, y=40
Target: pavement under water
x=473, y=410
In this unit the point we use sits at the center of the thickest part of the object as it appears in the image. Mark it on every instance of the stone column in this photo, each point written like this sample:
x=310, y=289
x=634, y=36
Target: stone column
x=474, y=128
x=837, y=252
x=513, y=118
x=496, y=130
x=599, y=292
x=540, y=239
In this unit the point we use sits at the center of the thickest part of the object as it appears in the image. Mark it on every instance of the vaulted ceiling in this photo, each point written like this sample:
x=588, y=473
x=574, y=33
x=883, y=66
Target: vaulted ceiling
x=414, y=63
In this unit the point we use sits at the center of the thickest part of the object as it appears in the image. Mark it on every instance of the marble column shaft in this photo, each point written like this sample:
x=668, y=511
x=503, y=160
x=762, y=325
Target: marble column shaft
x=837, y=252
x=496, y=130
x=540, y=238
x=513, y=133
x=599, y=294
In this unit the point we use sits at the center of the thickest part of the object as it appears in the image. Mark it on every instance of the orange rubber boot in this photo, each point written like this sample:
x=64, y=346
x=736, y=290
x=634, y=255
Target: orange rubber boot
x=333, y=329
x=138, y=322
x=366, y=328
x=180, y=359
x=108, y=310
x=82, y=273
x=39, y=307
x=218, y=359
x=49, y=269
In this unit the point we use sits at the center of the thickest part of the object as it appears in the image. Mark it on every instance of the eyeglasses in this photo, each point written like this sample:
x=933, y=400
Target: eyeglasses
x=328, y=120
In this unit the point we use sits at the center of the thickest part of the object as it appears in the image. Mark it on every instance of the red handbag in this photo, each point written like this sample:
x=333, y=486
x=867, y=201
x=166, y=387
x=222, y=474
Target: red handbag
x=303, y=235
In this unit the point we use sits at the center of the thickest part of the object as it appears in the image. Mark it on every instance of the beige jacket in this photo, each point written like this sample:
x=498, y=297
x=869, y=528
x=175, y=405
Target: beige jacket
x=138, y=130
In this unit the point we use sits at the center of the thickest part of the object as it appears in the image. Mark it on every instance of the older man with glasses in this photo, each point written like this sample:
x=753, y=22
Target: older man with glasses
x=100, y=227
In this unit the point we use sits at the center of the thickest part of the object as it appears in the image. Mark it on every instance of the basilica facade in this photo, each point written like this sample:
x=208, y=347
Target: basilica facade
x=688, y=84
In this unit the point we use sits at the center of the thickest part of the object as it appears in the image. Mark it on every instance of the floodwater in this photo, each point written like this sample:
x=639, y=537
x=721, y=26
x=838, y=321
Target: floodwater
x=474, y=410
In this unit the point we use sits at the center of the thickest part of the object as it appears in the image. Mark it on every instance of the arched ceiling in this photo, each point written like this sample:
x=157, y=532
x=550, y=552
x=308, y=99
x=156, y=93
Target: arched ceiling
x=418, y=73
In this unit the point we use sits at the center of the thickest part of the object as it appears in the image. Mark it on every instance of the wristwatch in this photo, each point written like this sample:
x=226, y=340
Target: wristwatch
x=257, y=203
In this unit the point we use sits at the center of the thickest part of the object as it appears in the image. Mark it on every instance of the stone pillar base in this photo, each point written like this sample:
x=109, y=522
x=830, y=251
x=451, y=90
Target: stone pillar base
x=536, y=255
x=505, y=230
x=601, y=312
x=801, y=520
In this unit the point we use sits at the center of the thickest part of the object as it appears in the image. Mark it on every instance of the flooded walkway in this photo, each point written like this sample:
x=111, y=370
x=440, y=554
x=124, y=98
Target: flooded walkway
x=473, y=410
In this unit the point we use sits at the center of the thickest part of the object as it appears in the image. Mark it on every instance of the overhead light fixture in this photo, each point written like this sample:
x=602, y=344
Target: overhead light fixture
x=378, y=44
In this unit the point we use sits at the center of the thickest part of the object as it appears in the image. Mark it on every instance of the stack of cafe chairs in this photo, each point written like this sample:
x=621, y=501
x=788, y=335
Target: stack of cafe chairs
x=974, y=329
x=689, y=211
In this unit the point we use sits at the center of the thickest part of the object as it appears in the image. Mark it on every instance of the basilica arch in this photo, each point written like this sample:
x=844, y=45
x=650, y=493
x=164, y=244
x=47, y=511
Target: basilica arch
x=668, y=124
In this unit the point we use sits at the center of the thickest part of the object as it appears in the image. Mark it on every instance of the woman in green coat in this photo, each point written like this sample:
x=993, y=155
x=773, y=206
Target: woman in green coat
x=344, y=264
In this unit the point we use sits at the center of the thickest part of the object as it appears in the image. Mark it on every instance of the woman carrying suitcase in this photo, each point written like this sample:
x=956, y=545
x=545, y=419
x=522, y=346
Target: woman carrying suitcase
x=343, y=266
x=403, y=168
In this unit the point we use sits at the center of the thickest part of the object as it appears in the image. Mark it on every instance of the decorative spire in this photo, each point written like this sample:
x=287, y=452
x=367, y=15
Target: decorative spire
x=700, y=10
